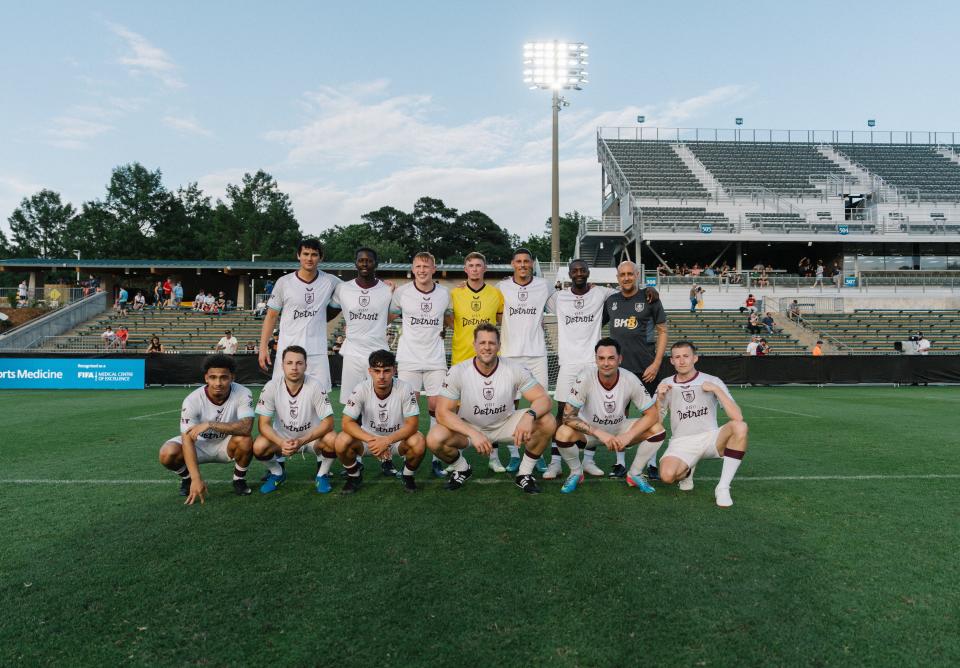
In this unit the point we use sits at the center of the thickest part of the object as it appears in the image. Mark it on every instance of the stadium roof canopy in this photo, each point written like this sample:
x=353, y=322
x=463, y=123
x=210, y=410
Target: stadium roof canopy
x=233, y=266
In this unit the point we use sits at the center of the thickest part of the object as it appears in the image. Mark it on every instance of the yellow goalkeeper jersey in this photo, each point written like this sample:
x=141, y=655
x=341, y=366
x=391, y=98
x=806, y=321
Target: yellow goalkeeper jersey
x=470, y=308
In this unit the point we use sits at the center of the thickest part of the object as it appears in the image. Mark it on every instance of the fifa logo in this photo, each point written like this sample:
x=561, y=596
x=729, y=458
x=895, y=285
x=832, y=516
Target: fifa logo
x=688, y=395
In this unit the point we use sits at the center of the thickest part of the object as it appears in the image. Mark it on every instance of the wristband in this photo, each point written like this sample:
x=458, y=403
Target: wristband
x=532, y=413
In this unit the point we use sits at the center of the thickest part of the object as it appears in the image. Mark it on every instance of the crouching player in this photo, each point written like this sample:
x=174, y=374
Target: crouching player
x=215, y=425
x=597, y=407
x=294, y=416
x=485, y=387
x=690, y=398
x=381, y=417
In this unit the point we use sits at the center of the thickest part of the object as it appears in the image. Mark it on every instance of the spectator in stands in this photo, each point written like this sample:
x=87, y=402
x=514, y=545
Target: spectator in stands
x=209, y=303
x=108, y=337
x=177, y=295
x=696, y=270
x=228, y=344
x=752, y=346
x=251, y=348
x=268, y=286
x=337, y=345
x=709, y=271
x=818, y=279
x=803, y=267
x=763, y=280
x=122, y=335
x=221, y=303
x=260, y=310
x=768, y=323
x=199, y=300
x=753, y=323
x=793, y=312
x=22, y=294
x=158, y=296
x=121, y=304
x=923, y=345
x=167, y=292
x=696, y=298
x=272, y=346
x=818, y=349
x=139, y=301
x=750, y=304
x=763, y=348
x=837, y=275
x=155, y=346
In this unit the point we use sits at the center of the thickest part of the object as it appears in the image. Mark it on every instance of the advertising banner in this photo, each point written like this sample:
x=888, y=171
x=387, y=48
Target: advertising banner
x=52, y=373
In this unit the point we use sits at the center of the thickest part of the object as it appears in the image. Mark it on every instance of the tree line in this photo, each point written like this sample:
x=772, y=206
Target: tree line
x=139, y=218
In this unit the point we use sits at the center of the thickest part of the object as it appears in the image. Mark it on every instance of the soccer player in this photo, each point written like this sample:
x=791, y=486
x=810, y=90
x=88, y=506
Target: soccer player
x=422, y=306
x=485, y=387
x=690, y=398
x=579, y=311
x=597, y=408
x=639, y=324
x=473, y=304
x=215, y=425
x=294, y=416
x=381, y=418
x=525, y=299
x=301, y=301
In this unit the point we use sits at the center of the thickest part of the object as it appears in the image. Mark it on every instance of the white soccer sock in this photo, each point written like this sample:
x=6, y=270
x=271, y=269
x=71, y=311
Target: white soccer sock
x=514, y=450
x=621, y=458
x=653, y=459
x=408, y=471
x=242, y=469
x=461, y=464
x=730, y=466
x=588, y=455
x=527, y=464
x=571, y=455
x=182, y=472
x=281, y=459
x=273, y=466
x=646, y=451
x=326, y=463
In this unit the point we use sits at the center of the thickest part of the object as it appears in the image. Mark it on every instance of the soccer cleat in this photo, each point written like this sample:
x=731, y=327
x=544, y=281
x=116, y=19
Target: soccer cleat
x=388, y=469
x=686, y=484
x=323, y=484
x=184, y=486
x=541, y=465
x=653, y=473
x=618, y=471
x=513, y=465
x=437, y=468
x=409, y=484
x=571, y=484
x=495, y=465
x=591, y=468
x=273, y=481
x=527, y=483
x=553, y=471
x=640, y=483
x=283, y=469
x=240, y=487
x=344, y=474
x=457, y=478
x=723, y=497
x=352, y=485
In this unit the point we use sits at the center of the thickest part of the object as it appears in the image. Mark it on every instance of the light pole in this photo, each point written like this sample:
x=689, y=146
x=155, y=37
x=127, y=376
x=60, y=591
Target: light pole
x=253, y=292
x=555, y=66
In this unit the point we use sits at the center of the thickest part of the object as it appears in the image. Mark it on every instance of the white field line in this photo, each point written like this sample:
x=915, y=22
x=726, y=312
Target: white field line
x=149, y=415
x=488, y=481
x=781, y=410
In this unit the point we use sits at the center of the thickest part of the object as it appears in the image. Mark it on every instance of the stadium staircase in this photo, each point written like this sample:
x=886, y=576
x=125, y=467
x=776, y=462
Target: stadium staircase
x=870, y=331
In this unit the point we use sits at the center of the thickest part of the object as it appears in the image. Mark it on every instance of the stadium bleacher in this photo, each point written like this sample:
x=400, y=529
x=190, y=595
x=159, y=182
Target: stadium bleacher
x=655, y=170
x=683, y=218
x=916, y=171
x=877, y=330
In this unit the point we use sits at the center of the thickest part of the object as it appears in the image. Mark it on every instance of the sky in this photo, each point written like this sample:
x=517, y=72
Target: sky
x=353, y=106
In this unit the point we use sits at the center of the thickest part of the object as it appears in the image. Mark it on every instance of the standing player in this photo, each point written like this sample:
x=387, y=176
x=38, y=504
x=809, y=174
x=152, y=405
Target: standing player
x=485, y=387
x=301, y=301
x=639, y=324
x=597, y=408
x=474, y=304
x=215, y=425
x=690, y=398
x=579, y=311
x=294, y=416
x=524, y=301
x=422, y=306
x=381, y=418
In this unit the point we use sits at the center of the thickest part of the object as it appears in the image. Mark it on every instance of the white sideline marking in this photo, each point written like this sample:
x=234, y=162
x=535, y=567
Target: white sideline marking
x=781, y=410
x=492, y=481
x=140, y=417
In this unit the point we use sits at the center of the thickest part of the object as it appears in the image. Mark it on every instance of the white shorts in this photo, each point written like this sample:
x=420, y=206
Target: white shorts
x=616, y=431
x=355, y=371
x=318, y=368
x=428, y=382
x=691, y=449
x=566, y=377
x=394, y=450
x=537, y=366
x=503, y=432
x=208, y=451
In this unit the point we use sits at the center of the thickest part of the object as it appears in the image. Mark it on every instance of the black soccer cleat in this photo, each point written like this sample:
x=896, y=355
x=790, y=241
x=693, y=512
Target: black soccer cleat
x=409, y=484
x=344, y=474
x=653, y=473
x=184, y=486
x=240, y=487
x=283, y=469
x=457, y=479
x=352, y=485
x=618, y=471
x=527, y=483
x=388, y=469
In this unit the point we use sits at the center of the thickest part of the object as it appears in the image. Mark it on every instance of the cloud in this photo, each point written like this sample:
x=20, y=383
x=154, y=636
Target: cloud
x=186, y=124
x=143, y=57
x=73, y=133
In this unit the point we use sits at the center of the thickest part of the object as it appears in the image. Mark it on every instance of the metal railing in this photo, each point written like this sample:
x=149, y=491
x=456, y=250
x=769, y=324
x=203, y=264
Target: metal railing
x=46, y=297
x=766, y=136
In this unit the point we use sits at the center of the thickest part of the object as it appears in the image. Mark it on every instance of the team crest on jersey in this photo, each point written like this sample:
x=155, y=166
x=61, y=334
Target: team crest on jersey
x=488, y=390
x=522, y=295
x=308, y=296
x=688, y=395
x=609, y=406
x=294, y=410
x=613, y=306
x=382, y=412
x=639, y=306
x=364, y=300
x=475, y=304
x=578, y=304
x=426, y=305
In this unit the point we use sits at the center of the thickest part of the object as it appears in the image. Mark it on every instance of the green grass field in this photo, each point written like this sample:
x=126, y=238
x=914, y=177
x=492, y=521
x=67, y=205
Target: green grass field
x=841, y=549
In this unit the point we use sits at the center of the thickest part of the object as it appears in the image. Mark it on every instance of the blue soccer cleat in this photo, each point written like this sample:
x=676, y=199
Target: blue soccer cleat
x=571, y=483
x=514, y=465
x=640, y=483
x=323, y=484
x=541, y=465
x=273, y=481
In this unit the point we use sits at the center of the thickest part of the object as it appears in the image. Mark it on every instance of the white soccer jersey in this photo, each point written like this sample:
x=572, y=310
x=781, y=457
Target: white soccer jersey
x=607, y=408
x=303, y=311
x=522, y=324
x=692, y=411
x=579, y=319
x=365, y=312
x=294, y=414
x=382, y=416
x=421, y=346
x=486, y=400
x=198, y=408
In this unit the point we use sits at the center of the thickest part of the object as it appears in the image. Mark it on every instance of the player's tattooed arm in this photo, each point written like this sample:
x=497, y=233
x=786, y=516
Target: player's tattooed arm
x=572, y=419
x=241, y=427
